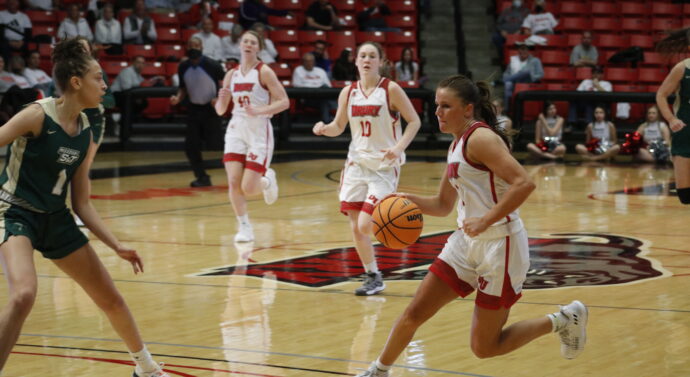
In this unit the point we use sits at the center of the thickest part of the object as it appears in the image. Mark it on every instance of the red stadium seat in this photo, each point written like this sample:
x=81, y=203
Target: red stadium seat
x=612, y=41
x=643, y=41
x=153, y=69
x=282, y=70
x=170, y=52
x=340, y=84
x=343, y=6
x=573, y=8
x=655, y=59
x=147, y=51
x=558, y=74
x=157, y=108
x=41, y=17
x=170, y=68
x=311, y=36
x=555, y=41
x=229, y=5
x=408, y=84
x=629, y=7
x=341, y=39
x=574, y=24
x=168, y=35
x=402, y=38
x=665, y=24
x=44, y=50
x=288, y=37
x=521, y=87
x=661, y=9
x=629, y=88
x=165, y=19
x=620, y=75
x=349, y=22
x=604, y=8
x=394, y=53
x=583, y=73
x=652, y=75
x=406, y=22
x=112, y=69
x=226, y=18
x=43, y=30
x=288, y=53
x=557, y=58
x=561, y=87
x=531, y=109
x=609, y=24
x=635, y=25
x=402, y=6
x=370, y=36
x=187, y=33
x=291, y=5
x=653, y=88
x=287, y=22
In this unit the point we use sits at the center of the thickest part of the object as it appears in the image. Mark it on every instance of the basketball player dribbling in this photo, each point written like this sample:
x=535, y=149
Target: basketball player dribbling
x=52, y=147
x=376, y=153
x=257, y=95
x=489, y=252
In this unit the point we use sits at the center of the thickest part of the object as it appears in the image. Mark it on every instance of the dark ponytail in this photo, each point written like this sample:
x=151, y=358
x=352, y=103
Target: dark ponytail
x=675, y=43
x=70, y=59
x=478, y=94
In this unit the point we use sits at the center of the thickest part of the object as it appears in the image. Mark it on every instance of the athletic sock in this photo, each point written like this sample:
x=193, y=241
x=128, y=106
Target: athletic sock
x=143, y=360
x=244, y=219
x=381, y=366
x=558, y=321
x=372, y=267
x=265, y=182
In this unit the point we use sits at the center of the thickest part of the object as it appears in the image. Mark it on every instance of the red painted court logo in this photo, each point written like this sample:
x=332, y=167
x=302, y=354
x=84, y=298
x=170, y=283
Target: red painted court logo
x=563, y=260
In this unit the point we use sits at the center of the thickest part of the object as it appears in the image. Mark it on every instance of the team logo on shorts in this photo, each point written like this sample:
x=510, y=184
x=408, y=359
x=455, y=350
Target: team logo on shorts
x=561, y=260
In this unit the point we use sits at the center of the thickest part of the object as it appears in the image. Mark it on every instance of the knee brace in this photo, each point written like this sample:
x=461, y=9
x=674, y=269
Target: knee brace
x=684, y=195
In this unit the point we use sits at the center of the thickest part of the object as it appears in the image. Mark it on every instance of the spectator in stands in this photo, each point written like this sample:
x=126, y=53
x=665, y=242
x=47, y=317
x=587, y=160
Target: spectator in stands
x=269, y=53
x=17, y=66
x=406, y=69
x=509, y=22
x=201, y=10
x=231, y=44
x=253, y=11
x=161, y=6
x=127, y=79
x=606, y=147
x=41, y=4
x=372, y=17
x=17, y=30
x=321, y=15
x=74, y=24
x=653, y=130
x=321, y=55
x=37, y=77
x=584, y=54
x=199, y=84
x=595, y=84
x=503, y=122
x=548, y=134
x=344, y=68
x=523, y=68
x=109, y=31
x=540, y=21
x=308, y=75
x=213, y=47
x=19, y=91
x=138, y=27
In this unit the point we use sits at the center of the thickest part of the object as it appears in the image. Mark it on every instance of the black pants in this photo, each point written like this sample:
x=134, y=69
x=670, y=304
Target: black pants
x=203, y=125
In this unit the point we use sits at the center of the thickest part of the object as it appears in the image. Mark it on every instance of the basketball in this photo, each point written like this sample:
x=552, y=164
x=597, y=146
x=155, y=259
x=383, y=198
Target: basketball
x=398, y=222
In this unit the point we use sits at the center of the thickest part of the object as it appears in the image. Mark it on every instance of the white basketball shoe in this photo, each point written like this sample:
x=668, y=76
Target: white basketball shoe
x=574, y=333
x=156, y=373
x=373, y=371
x=271, y=191
x=245, y=233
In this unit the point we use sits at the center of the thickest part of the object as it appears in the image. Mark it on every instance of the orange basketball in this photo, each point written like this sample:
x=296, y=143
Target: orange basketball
x=398, y=222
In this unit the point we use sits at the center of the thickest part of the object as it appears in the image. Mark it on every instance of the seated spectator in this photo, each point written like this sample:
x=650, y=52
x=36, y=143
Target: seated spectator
x=605, y=147
x=253, y=11
x=213, y=47
x=321, y=15
x=406, y=69
x=503, y=123
x=109, y=32
x=74, y=25
x=654, y=132
x=127, y=79
x=372, y=17
x=269, y=53
x=41, y=4
x=138, y=27
x=584, y=54
x=548, y=136
x=16, y=90
x=17, y=66
x=595, y=84
x=509, y=22
x=308, y=75
x=35, y=75
x=344, y=68
x=321, y=55
x=523, y=68
x=17, y=30
x=231, y=44
x=539, y=21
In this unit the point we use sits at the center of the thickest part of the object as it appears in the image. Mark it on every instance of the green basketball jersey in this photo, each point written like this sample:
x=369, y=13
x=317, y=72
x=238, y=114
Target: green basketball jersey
x=39, y=168
x=680, y=141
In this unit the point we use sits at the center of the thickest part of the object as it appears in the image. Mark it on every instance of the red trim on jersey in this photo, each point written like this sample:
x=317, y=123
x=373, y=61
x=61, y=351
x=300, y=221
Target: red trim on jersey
x=454, y=145
x=342, y=175
x=234, y=157
x=508, y=296
x=350, y=206
x=368, y=208
x=446, y=273
x=258, y=68
x=377, y=85
x=493, y=190
x=396, y=172
x=268, y=134
x=465, y=137
x=257, y=167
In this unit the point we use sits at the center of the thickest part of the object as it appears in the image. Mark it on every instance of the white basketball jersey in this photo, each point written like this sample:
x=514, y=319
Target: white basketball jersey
x=373, y=126
x=601, y=131
x=477, y=186
x=247, y=89
x=652, y=132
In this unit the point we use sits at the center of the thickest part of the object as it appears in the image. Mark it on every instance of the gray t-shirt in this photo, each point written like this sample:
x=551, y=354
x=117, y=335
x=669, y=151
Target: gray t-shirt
x=579, y=52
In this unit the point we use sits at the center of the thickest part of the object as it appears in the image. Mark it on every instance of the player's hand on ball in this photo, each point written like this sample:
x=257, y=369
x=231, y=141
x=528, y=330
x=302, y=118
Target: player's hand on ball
x=474, y=226
x=131, y=256
x=396, y=195
x=318, y=129
x=676, y=125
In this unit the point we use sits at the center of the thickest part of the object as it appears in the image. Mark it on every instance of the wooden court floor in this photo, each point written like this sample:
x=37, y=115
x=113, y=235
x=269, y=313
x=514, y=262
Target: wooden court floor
x=611, y=236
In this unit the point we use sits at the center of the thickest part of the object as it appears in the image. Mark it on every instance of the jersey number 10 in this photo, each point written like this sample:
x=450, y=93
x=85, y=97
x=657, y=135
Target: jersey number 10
x=243, y=101
x=366, y=128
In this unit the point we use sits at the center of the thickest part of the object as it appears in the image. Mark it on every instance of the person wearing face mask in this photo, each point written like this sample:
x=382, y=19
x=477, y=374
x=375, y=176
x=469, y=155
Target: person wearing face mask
x=508, y=22
x=199, y=76
x=541, y=21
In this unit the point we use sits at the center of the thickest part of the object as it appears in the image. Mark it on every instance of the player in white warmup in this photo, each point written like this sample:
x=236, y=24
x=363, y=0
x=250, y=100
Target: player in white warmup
x=376, y=152
x=257, y=95
x=489, y=252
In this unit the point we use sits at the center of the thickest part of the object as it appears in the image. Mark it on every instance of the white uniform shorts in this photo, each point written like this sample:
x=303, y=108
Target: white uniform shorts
x=249, y=141
x=362, y=188
x=495, y=263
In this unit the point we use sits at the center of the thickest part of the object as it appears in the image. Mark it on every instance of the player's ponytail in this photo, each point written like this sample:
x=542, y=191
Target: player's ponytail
x=70, y=59
x=676, y=42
